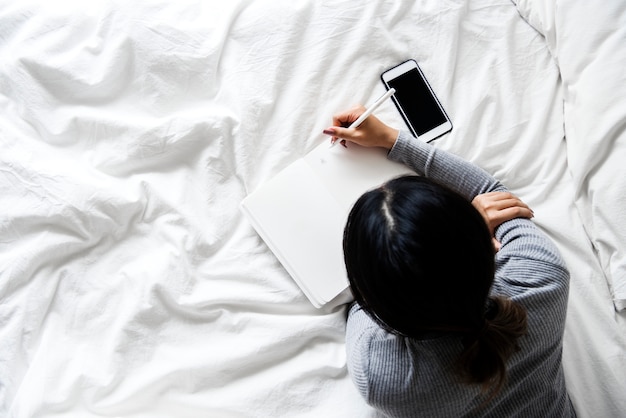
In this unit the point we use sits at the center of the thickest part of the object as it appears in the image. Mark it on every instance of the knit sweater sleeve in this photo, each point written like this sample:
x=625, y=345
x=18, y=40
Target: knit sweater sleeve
x=443, y=167
x=520, y=238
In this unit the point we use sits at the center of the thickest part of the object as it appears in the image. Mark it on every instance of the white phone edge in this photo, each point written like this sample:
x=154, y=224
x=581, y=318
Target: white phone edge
x=402, y=68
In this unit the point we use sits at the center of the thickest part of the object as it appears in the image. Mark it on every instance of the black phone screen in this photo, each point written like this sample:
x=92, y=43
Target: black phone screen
x=417, y=102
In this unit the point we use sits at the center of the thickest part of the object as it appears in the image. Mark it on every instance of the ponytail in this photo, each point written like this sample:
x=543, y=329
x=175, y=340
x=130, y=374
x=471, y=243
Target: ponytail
x=488, y=348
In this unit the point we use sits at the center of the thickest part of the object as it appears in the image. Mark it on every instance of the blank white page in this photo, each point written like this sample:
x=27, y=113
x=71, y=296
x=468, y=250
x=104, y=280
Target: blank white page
x=302, y=211
x=302, y=223
x=349, y=172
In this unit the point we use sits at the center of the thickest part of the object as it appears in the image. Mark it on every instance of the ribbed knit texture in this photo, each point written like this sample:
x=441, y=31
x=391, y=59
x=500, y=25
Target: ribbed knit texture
x=404, y=377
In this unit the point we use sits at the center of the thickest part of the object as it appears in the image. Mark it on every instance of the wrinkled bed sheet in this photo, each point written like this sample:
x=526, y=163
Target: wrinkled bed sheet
x=588, y=44
x=130, y=283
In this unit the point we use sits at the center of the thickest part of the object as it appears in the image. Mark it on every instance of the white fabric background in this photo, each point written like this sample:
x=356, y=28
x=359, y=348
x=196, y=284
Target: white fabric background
x=130, y=283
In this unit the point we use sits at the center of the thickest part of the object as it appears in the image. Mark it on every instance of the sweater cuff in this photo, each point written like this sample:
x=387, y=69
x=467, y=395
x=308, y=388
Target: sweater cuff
x=410, y=151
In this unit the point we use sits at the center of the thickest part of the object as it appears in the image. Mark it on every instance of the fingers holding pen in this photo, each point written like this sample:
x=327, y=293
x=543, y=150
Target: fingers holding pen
x=340, y=130
x=360, y=126
x=370, y=133
x=347, y=117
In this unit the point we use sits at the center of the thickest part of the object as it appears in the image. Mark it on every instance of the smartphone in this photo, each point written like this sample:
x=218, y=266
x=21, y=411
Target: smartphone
x=416, y=101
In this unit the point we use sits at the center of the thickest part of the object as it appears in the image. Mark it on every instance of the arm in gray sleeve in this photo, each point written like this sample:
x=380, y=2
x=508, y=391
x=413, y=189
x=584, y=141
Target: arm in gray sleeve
x=443, y=167
x=520, y=238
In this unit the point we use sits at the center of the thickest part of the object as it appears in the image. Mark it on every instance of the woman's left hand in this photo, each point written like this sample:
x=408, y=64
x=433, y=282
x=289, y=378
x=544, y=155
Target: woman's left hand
x=499, y=207
x=371, y=133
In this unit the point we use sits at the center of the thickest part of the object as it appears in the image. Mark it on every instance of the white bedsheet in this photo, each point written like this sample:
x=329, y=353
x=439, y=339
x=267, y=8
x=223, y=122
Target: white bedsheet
x=595, y=118
x=131, y=284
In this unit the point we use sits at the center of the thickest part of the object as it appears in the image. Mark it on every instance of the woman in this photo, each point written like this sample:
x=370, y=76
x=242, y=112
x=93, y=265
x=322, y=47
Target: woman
x=440, y=327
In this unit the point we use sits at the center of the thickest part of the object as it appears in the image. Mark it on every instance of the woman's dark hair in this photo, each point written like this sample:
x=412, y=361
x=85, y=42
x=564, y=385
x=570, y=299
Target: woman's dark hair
x=420, y=259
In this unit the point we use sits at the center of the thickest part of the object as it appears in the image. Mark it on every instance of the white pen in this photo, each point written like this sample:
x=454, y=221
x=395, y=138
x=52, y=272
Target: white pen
x=368, y=111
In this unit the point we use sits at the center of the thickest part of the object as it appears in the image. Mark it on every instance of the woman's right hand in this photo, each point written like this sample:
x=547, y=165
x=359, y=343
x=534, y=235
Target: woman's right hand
x=371, y=133
x=499, y=207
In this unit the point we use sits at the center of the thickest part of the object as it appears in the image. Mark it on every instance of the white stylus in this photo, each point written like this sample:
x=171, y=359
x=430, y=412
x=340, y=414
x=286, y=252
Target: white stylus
x=368, y=112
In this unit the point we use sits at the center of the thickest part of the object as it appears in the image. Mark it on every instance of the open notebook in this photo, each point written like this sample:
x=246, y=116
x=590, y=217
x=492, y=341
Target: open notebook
x=301, y=213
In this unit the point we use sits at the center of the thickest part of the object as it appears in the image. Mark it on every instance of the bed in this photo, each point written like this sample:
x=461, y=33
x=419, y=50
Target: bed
x=130, y=282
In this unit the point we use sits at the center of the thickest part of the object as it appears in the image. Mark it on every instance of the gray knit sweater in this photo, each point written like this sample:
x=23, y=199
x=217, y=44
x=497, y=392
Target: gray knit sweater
x=407, y=377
